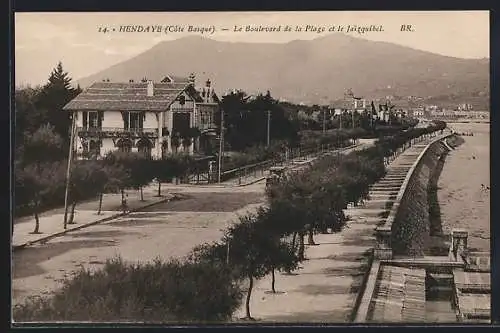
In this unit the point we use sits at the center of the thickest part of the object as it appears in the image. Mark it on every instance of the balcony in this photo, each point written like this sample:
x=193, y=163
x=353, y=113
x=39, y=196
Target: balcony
x=113, y=132
x=206, y=127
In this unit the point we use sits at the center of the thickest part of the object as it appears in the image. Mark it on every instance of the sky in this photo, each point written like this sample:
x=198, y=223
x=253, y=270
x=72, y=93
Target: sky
x=44, y=39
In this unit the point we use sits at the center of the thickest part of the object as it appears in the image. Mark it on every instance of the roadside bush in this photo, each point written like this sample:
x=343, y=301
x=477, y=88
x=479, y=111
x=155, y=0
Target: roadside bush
x=157, y=292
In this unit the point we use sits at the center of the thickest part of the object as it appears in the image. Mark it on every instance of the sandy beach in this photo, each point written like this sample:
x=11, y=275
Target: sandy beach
x=463, y=201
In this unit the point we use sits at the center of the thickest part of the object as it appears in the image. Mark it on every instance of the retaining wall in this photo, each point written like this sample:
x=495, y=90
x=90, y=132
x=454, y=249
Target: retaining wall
x=411, y=225
x=407, y=227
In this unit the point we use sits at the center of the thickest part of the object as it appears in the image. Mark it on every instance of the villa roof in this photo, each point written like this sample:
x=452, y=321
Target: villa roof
x=130, y=96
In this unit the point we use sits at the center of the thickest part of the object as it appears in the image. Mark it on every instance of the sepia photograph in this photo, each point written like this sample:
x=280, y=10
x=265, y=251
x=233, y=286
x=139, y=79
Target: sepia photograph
x=251, y=168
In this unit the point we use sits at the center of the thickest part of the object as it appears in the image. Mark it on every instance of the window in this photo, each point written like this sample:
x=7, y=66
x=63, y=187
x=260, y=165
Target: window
x=206, y=118
x=91, y=119
x=133, y=120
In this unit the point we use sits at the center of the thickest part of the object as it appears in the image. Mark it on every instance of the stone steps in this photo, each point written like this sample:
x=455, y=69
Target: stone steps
x=390, y=182
x=373, y=194
x=377, y=188
x=367, y=212
x=390, y=177
x=378, y=204
x=396, y=173
x=380, y=195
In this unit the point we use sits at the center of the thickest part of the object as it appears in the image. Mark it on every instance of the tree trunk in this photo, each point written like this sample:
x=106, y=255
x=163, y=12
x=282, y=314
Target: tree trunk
x=123, y=202
x=159, y=188
x=72, y=214
x=310, y=236
x=142, y=194
x=301, y=245
x=37, y=220
x=249, y=294
x=273, y=281
x=100, y=204
x=294, y=238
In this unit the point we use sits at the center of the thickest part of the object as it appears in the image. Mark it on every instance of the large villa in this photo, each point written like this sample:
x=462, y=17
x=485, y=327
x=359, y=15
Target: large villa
x=156, y=118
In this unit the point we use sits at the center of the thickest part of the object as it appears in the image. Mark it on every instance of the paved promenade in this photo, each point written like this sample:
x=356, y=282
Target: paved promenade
x=324, y=289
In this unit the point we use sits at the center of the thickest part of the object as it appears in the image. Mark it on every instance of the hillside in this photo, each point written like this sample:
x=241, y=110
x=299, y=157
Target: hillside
x=316, y=71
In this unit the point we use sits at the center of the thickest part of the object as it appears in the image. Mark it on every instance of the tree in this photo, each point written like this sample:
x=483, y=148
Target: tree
x=251, y=249
x=87, y=180
x=28, y=117
x=113, y=179
x=39, y=182
x=43, y=145
x=283, y=257
x=246, y=249
x=38, y=152
x=137, y=166
x=119, y=160
x=289, y=201
x=54, y=96
x=176, y=165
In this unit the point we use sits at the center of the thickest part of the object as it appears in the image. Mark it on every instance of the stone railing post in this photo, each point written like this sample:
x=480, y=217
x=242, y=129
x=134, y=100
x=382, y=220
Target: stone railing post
x=383, y=248
x=458, y=244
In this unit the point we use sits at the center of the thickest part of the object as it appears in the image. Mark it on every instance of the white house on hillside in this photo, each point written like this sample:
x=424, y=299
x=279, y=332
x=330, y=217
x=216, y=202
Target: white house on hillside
x=152, y=117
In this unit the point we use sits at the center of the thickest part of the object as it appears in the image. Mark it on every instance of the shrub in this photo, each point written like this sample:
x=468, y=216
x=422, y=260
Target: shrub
x=154, y=292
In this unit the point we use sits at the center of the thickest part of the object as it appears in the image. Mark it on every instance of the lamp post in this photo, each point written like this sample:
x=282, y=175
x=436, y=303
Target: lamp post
x=221, y=143
x=68, y=170
x=268, y=127
x=324, y=121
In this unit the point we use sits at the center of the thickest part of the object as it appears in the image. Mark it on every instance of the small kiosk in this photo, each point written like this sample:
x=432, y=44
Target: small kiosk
x=275, y=175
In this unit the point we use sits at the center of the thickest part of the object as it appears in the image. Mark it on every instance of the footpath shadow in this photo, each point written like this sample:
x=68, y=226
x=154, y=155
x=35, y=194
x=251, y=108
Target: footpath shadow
x=101, y=234
x=333, y=316
x=26, y=262
x=209, y=202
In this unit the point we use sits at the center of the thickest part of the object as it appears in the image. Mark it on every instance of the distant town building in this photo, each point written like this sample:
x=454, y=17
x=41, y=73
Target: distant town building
x=465, y=107
x=150, y=117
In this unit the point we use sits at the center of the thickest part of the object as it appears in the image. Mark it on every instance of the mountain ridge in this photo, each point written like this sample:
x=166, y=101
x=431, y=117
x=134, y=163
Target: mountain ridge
x=306, y=70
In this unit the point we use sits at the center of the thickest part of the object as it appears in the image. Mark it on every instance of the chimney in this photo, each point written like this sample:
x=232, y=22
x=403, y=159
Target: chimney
x=209, y=91
x=150, y=88
x=191, y=79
